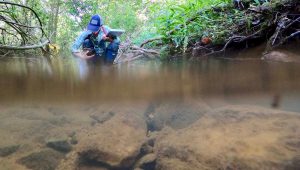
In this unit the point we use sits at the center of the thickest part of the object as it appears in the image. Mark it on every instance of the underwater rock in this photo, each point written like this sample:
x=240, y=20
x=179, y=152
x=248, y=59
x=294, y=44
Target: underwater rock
x=60, y=145
x=101, y=118
x=138, y=169
x=43, y=160
x=146, y=149
x=177, y=115
x=8, y=150
x=90, y=168
x=233, y=137
x=113, y=144
x=280, y=56
x=74, y=140
x=59, y=121
x=293, y=164
x=56, y=111
x=147, y=162
x=148, y=146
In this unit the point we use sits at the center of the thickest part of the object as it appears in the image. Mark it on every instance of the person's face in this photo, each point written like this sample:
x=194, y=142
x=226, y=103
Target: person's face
x=96, y=33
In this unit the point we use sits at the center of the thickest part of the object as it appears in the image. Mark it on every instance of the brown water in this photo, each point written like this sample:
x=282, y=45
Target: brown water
x=78, y=80
x=226, y=100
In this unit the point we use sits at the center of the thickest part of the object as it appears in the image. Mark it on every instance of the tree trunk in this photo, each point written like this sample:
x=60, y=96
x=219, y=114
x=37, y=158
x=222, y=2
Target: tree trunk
x=53, y=19
x=55, y=23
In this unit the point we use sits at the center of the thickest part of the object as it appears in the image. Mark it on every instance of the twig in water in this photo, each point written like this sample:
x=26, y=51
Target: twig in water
x=4, y=55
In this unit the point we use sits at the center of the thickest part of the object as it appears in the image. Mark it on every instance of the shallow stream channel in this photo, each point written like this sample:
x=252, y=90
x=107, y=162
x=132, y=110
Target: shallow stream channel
x=241, y=113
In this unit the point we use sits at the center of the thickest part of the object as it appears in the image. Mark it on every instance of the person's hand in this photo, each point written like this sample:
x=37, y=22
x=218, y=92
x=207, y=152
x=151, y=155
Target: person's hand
x=83, y=55
x=105, y=38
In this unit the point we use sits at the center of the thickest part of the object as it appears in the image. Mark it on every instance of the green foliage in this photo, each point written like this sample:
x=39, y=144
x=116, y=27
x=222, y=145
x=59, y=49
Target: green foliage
x=121, y=14
x=124, y=18
x=180, y=22
x=183, y=23
x=74, y=16
x=13, y=17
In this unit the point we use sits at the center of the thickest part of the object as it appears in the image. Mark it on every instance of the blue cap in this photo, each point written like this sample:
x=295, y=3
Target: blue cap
x=95, y=23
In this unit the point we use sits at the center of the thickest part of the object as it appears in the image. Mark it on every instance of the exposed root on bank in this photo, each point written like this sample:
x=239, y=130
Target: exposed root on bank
x=130, y=52
x=233, y=39
x=150, y=40
x=274, y=22
x=287, y=28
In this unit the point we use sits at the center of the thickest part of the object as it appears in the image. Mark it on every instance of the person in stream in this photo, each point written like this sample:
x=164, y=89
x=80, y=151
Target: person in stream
x=94, y=42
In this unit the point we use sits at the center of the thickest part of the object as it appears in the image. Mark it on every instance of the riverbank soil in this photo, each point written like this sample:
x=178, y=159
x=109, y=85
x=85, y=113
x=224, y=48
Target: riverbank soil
x=246, y=24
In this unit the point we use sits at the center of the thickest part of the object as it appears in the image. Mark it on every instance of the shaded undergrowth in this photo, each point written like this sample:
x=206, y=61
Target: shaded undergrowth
x=211, y=27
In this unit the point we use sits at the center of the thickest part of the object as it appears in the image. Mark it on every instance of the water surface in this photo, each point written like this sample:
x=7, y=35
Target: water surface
x=225, y=99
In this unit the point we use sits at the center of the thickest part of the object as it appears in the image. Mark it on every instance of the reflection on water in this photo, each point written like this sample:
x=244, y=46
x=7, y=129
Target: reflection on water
x=71, y=114
x=77, y=79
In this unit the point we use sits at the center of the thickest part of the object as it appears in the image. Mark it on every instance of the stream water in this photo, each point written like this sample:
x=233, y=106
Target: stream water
x=45, y=100
x=250, y=81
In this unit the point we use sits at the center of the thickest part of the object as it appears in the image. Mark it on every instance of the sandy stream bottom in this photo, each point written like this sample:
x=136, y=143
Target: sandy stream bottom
x=187, y=134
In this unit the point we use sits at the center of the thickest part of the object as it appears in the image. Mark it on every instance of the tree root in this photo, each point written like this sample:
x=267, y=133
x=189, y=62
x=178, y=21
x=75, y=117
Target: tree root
x=276, y=25
x=150, y=40
x=129, y=52
x=233, y=39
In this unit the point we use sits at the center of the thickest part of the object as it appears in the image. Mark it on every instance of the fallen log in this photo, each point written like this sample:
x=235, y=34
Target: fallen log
x=27, y=47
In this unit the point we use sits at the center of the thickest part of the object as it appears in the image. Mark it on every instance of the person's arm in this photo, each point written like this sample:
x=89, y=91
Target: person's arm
x=104, y=32
x=78, y=43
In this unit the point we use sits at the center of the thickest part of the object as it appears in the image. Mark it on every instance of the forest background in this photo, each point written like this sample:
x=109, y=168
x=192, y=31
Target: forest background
x=141, y=19
x=200, y=27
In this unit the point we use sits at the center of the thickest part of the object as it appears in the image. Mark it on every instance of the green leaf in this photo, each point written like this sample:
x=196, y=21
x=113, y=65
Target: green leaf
x=257, y=2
